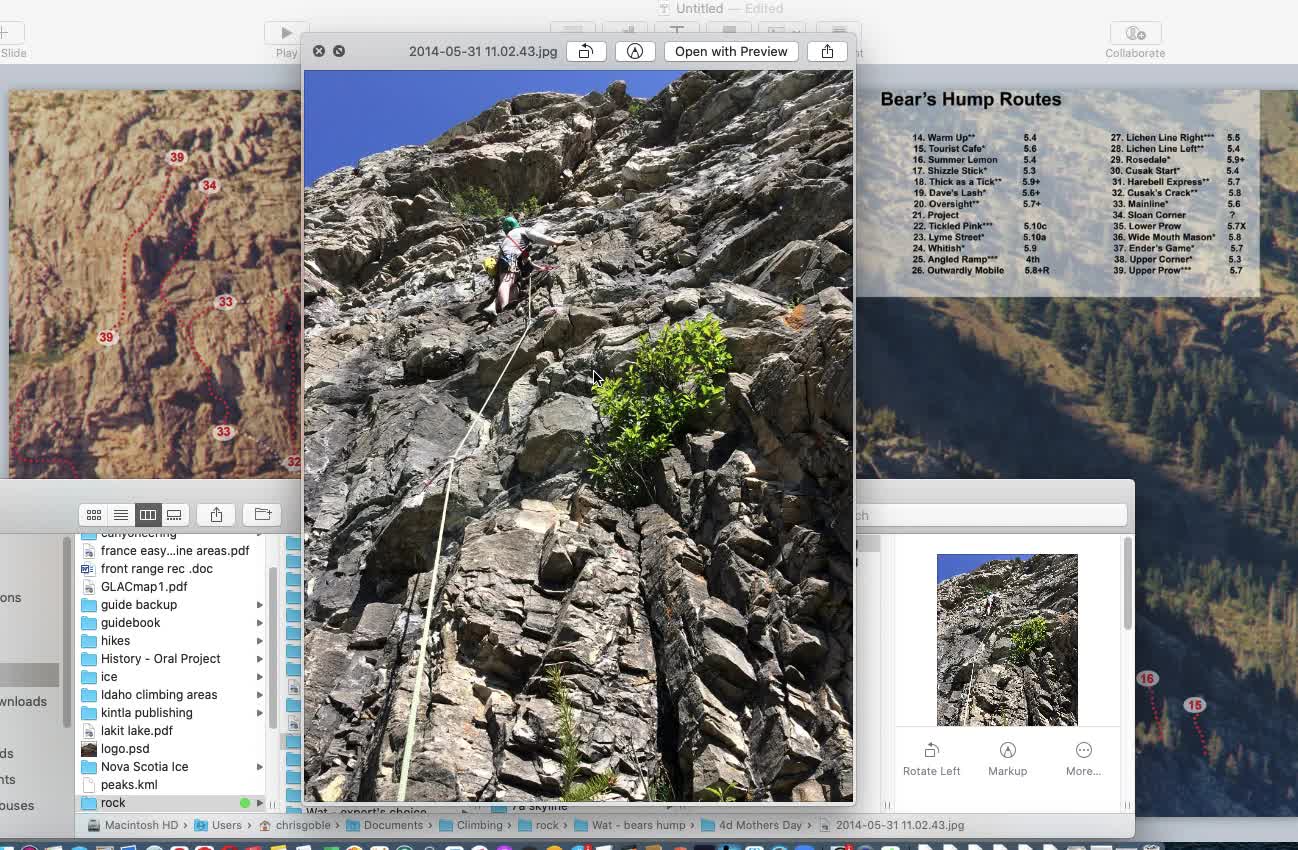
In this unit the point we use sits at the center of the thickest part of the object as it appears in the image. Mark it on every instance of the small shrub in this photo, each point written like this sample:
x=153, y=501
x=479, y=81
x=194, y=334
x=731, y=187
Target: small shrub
x=530, y=208
x=672, y=379
x=634, y=107
x=570, y=749
x=726, y=792
x=1028, y=638
x=476, y=202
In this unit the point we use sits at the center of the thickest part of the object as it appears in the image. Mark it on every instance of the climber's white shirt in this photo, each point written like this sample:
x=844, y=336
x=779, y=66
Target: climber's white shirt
x=513, y=243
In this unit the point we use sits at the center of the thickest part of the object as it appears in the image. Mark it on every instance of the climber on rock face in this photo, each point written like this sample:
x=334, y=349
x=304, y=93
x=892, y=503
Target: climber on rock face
x=991, y=603
x=514, y=262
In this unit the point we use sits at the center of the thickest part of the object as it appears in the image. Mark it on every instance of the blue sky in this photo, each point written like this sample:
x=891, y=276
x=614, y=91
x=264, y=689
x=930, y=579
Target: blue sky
x=352, y=114
x=954, y=565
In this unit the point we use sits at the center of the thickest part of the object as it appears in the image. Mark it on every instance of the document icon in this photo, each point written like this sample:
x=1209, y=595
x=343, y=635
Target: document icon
x=89, y=659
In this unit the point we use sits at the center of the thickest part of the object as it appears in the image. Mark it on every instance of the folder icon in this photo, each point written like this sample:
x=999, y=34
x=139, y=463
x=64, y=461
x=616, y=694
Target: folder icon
x=293, y=650
x=293, y=544
x=293, y=795
x=89, y=659
x=293, y=669
x=89, y=695
x=445, y=825
x=88, y=713
x=293, y=706
x=293, y=562
x=707, y=825
x=89, y=768
x=89, y=642
x=294, y=742
x=89, y=623
x=293, y=777
x=89, y=606
x=580, y=825
x=524, y=825
x=294, y=760
x=293, y=633
x=293, y=615
x=89, y=677
x=293, y=597
x=293, y=579
x=89, y=804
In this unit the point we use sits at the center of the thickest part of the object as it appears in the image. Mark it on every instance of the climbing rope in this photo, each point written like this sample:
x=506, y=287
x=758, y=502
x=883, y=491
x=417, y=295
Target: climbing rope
x=437, y=562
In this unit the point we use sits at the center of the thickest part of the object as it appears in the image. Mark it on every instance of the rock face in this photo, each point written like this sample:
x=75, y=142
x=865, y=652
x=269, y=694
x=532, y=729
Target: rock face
x=704, y=639
x=111, y=234
x=983, y=679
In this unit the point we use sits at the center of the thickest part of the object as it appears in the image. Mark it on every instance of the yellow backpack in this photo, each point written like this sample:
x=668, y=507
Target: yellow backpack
x=489, y=263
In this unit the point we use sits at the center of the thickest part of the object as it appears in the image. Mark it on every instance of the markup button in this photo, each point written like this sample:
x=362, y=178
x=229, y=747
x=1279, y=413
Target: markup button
x=729, y=51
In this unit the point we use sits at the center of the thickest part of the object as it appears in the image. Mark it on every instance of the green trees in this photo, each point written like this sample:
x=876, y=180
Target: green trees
x=672, y=379
x=1028, y=638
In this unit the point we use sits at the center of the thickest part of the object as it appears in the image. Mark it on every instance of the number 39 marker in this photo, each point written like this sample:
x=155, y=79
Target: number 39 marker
x=108, y=338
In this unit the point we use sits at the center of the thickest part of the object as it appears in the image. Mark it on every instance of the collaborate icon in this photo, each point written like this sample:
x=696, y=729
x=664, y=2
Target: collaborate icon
x=1135, y=33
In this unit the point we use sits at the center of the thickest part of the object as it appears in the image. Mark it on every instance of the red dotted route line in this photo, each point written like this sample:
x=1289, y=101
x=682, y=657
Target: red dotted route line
x=1203, y=739
x=126, y=247
x=185, y=330
x=1158, y=721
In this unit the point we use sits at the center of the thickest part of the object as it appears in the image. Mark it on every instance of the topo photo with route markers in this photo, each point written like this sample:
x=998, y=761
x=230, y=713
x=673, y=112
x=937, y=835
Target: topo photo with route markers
x=155, y=327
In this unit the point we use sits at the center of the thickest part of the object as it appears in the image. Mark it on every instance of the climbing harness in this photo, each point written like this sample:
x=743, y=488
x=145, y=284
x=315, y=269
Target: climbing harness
x=437, y=563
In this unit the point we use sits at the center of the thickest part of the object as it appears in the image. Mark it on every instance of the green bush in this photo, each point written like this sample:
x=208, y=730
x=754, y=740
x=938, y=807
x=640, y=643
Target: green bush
x=671, y=380
x=530, y=208
x=476, y=202
x=479, y=202
x=1028, y=638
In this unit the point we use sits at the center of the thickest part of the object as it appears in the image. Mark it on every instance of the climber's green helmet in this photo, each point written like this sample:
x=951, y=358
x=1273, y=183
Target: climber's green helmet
x=508, y=223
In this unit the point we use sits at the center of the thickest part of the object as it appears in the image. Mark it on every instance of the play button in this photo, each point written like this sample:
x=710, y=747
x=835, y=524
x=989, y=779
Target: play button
x=285, y=32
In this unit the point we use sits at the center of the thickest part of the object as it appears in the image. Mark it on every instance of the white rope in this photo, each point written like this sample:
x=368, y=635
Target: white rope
x=437, y=563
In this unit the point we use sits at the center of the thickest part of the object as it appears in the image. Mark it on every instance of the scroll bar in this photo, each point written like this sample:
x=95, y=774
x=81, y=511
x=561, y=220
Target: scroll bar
x=1128, y=583
x=69, y=584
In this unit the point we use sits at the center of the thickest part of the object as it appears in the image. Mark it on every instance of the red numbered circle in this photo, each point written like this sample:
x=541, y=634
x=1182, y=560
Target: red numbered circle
x=108, y=337
x=223, y=432
x=1195, y=705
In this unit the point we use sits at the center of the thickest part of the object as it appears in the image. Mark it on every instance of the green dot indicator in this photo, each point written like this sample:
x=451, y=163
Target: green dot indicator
x=244, y=802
